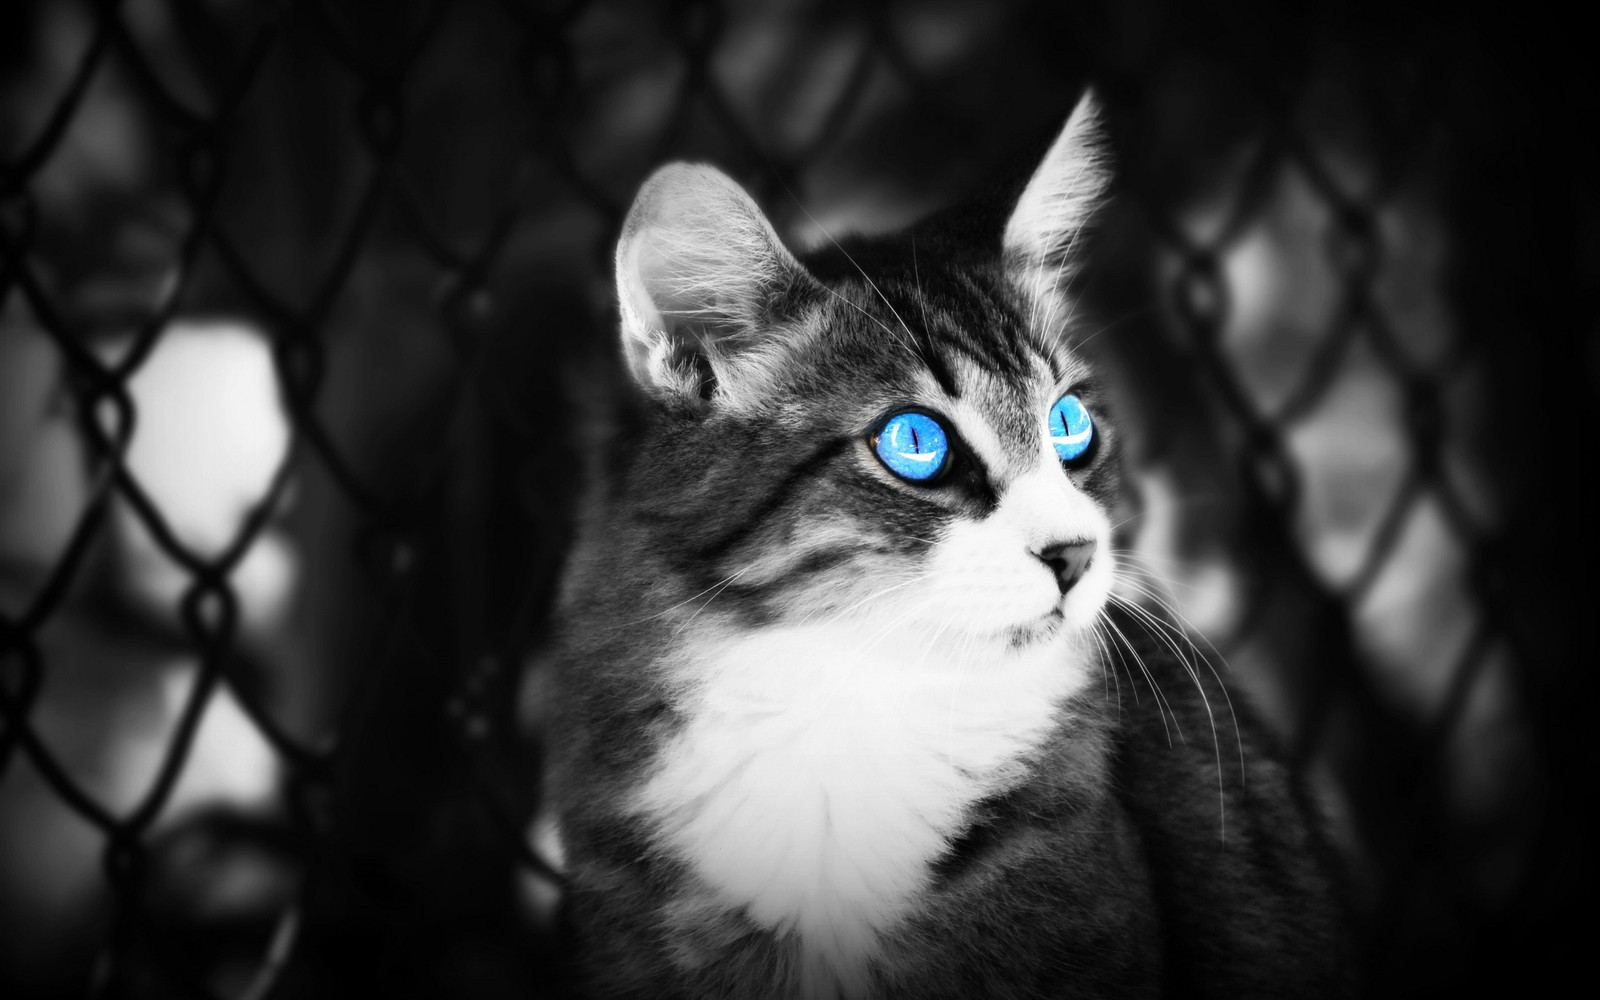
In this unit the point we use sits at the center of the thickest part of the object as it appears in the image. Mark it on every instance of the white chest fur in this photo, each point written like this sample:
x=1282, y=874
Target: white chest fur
x=823, y=767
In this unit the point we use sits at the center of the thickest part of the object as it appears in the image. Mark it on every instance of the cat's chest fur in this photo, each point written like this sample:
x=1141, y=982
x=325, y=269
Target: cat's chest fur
x=821, y=769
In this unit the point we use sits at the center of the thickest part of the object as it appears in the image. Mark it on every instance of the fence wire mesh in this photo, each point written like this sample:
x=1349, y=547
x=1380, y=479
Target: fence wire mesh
x=304, y=310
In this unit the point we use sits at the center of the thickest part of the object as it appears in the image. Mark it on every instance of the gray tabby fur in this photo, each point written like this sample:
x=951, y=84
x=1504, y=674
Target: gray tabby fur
x=775, y=774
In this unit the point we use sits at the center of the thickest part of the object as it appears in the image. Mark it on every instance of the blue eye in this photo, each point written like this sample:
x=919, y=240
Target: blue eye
x=913, y=446
x=1071, y=429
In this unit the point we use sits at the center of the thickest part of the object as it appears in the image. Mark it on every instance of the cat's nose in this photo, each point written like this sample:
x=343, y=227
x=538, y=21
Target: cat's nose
x=1068, y=561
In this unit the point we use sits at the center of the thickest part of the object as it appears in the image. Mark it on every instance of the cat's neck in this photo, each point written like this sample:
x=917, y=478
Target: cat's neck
x=822, y=768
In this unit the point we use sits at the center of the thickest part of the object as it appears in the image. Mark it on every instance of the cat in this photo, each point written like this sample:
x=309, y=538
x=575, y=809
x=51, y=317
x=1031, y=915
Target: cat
x=838, y=702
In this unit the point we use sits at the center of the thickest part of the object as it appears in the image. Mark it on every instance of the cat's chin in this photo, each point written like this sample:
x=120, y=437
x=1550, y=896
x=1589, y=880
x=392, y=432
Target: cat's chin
x=1037, y=632
x=1072, y=617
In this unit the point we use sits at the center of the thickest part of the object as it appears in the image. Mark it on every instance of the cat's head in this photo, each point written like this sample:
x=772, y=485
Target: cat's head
x=911, y=443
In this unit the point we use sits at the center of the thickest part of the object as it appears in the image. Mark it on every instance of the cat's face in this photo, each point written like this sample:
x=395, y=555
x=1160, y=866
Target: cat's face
x=912, y=449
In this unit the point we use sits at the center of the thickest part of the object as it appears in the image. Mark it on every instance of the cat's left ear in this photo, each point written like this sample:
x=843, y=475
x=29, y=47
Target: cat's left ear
x=1043, y=234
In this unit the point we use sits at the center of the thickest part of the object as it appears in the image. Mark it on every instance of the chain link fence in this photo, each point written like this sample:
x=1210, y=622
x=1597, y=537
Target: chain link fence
x=305, y=308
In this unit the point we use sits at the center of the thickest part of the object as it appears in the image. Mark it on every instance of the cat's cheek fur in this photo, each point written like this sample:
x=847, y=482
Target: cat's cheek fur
x=985, y=577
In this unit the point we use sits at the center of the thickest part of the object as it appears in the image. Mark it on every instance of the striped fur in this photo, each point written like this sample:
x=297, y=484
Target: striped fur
x=818, y=732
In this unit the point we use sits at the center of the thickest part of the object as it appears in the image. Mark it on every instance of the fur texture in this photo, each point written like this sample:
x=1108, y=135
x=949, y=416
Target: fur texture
x=816, y=731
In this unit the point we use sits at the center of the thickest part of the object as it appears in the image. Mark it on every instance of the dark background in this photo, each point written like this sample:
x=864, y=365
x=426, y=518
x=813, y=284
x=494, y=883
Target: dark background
x=305, y=323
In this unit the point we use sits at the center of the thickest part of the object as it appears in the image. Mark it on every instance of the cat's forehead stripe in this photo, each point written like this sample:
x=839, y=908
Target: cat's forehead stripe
x=934, y=361
x=983, y=324
x=989, y=325
x=915, y=335
x=1019, y=410
x=981, y=332
x=981, y=437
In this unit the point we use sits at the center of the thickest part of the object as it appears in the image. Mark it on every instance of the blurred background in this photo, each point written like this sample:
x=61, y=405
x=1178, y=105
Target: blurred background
x=305, y=312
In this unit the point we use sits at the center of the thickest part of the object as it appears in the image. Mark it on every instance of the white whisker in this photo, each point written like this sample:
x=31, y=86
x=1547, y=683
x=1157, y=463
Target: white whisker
x=909, y=345
x=1163, y=707
x=718, y=587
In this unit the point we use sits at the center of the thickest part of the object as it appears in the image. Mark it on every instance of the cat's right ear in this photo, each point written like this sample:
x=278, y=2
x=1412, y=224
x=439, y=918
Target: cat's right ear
x=1045, y=229
x=702, y=279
